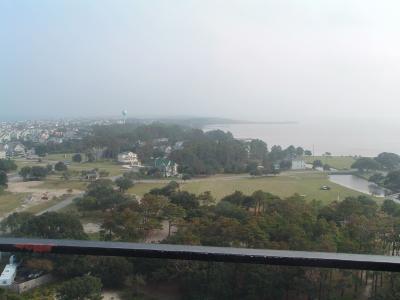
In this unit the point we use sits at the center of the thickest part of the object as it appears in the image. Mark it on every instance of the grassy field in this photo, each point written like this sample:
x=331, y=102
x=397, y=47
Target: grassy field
x=307, y=184
x=60, y=156
x=28, y=163
x=336, y=162
x=106, y=165
x=42, y=206
x=10, y=201
x=109, y=166
x=62, y=184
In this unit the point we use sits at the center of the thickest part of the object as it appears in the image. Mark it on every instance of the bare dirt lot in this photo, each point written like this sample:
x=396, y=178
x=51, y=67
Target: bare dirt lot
x=36, y=196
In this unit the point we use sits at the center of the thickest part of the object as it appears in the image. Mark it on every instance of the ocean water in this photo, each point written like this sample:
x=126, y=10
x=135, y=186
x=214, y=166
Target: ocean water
x=340, y=137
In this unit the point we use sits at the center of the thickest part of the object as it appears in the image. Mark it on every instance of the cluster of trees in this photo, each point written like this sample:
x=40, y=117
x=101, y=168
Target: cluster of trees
x=34, y=172
x=3, y=180
x=385, y=161
x=50, y=225
x=259, y=220
x=211, y=152
x=386, y=168
x=390, y=181
x=102, y=194
x=6, y=165
x=202, y=153
x=40, y=172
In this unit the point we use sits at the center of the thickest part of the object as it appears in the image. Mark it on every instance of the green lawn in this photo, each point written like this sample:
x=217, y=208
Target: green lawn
x=336, y=162
x=44, y=205
x=28, y=163
x=107, y=165
x=307, y=184
x=10, y=201
x=58, y=184
x=60, y=156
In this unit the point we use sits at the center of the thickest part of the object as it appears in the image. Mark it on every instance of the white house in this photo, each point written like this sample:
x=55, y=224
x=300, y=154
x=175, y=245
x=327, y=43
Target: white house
x=178, y=145
x=15, y=150
x=298, y=164
x=130, y=159
x=31, y=154
x=167, y=167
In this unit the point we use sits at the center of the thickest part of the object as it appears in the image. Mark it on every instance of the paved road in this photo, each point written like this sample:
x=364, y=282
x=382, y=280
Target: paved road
x=64, y=203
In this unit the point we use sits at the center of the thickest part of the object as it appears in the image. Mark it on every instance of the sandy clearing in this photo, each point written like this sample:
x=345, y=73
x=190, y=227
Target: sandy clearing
x=91, y=227
x=36, y=195
x=110, y=295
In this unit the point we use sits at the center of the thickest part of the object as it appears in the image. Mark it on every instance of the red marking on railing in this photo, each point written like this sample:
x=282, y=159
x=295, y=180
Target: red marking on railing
x=35, y=248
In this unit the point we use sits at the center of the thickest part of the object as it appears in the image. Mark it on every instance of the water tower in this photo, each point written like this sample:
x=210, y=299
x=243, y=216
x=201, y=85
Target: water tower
x=124, y=115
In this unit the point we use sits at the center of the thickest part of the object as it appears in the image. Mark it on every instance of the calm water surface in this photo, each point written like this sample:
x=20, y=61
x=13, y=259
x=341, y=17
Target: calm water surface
x=358, y=184
x=351, y=137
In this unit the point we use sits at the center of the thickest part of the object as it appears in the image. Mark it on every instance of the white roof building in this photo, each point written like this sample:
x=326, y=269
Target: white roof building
x=298, y=164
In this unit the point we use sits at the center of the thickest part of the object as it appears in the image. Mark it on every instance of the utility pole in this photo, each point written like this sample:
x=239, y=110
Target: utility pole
x=313, y=152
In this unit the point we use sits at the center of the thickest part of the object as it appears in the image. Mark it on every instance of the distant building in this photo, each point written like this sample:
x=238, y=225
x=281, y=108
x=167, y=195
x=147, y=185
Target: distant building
x=31, y=154
x=129, y=158
x=167, y=167
x=15, y=150
x=298, y=164
x=168, y=150
x=91, y=175
x=160, y=141
x=178, y=145
x=55, y=140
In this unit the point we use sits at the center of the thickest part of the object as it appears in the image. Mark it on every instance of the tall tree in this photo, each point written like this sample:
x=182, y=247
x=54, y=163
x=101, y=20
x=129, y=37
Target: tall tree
x=60, y=166
x=366, y=164
x=80, y=288
x=389, y=161
x=123, y=183
x=7, y=165
x=3, y=179
x=77, y=158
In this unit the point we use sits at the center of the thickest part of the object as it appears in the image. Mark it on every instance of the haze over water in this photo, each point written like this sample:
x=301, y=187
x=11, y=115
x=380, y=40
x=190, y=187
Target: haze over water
x=340, y=137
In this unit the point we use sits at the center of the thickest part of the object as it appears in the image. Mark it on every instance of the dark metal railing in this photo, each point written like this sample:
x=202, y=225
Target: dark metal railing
x=203, y=253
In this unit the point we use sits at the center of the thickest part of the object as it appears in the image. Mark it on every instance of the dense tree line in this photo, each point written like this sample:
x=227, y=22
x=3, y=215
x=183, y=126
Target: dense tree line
x=384, y=161
x=202, y=153
x=34, y=172
x=7, y=165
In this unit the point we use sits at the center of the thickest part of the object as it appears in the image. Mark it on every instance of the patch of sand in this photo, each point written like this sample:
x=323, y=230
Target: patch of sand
x=36, y=195
x=109, y=295
x=91, y=227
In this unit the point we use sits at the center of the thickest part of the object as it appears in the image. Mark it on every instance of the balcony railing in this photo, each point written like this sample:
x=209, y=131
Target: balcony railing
x=203, y=253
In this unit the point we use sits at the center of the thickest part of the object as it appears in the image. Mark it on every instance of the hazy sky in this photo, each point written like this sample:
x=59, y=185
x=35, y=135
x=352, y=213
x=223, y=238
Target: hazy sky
x=269, y=60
